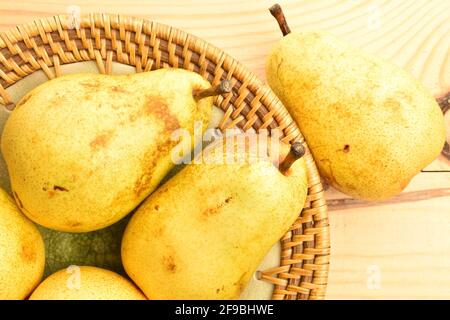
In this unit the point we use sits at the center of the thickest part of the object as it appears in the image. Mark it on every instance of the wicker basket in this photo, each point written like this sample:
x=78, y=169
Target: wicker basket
x=47, y=44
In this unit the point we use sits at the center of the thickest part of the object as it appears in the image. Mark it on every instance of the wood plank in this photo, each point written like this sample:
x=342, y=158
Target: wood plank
x=393, y=250
x=404, y=242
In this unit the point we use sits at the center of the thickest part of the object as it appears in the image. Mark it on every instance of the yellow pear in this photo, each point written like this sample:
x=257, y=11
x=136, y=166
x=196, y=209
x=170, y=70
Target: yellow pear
x=369, y=125
x=203, y=233
x=22, y=256
x=86, y=283
x=83, y=150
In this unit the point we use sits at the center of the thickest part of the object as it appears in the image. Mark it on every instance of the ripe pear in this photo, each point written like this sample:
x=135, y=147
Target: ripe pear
x=203, y=233
x=22, y=255
x=86, y=283
x=369, y=125
x=83, y=150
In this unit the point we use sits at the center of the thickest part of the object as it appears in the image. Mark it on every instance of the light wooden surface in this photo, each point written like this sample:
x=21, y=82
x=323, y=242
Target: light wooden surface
x=396, y=249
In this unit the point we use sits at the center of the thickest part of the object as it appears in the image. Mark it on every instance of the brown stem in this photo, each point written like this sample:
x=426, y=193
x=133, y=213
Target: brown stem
x=277, y=12
x=446, y=150
x=223, y=87
x=444, y=102
x=297, y=151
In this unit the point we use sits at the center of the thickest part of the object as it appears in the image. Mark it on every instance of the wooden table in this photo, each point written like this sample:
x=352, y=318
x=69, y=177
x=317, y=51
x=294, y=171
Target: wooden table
x=396, y=249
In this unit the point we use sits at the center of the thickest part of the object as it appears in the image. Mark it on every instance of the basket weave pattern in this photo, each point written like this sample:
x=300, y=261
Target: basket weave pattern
x=47, y=44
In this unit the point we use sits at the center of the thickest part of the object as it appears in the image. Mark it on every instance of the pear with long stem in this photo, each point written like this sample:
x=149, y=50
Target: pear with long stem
x=361, y=116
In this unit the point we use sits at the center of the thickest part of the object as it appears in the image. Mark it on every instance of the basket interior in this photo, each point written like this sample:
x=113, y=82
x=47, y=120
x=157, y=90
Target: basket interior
x=109, y=44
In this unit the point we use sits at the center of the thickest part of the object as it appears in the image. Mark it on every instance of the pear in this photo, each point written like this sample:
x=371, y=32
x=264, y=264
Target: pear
x=203, y=233
x=83, y=150
x=22, y=255
x=369, y=125
x=86, y=283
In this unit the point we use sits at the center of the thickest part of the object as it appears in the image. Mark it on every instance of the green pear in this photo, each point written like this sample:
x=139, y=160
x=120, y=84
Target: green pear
x=370, y=126
x=203, y=233
x=22, y=255
x=100, y=248
x=83, y=150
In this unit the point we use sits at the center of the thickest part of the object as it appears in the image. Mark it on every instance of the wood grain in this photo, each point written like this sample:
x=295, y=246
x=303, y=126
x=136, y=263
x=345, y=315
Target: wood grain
x=395, y=249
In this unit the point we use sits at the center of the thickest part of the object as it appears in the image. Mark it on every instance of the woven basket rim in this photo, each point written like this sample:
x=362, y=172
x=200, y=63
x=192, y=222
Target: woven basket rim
x=106, y=38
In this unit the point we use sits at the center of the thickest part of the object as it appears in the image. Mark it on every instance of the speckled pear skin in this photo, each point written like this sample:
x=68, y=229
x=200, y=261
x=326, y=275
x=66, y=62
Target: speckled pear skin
x=86, y=283
x=369, y=125
x=22, y=255
x=203, y=233
x=83, y=150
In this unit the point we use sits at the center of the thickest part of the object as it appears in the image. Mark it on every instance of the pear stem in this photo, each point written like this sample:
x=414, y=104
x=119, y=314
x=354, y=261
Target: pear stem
x=223, y=87
x=444, y=102
x=297, y=151
x=278, y=14
x=10, y=106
